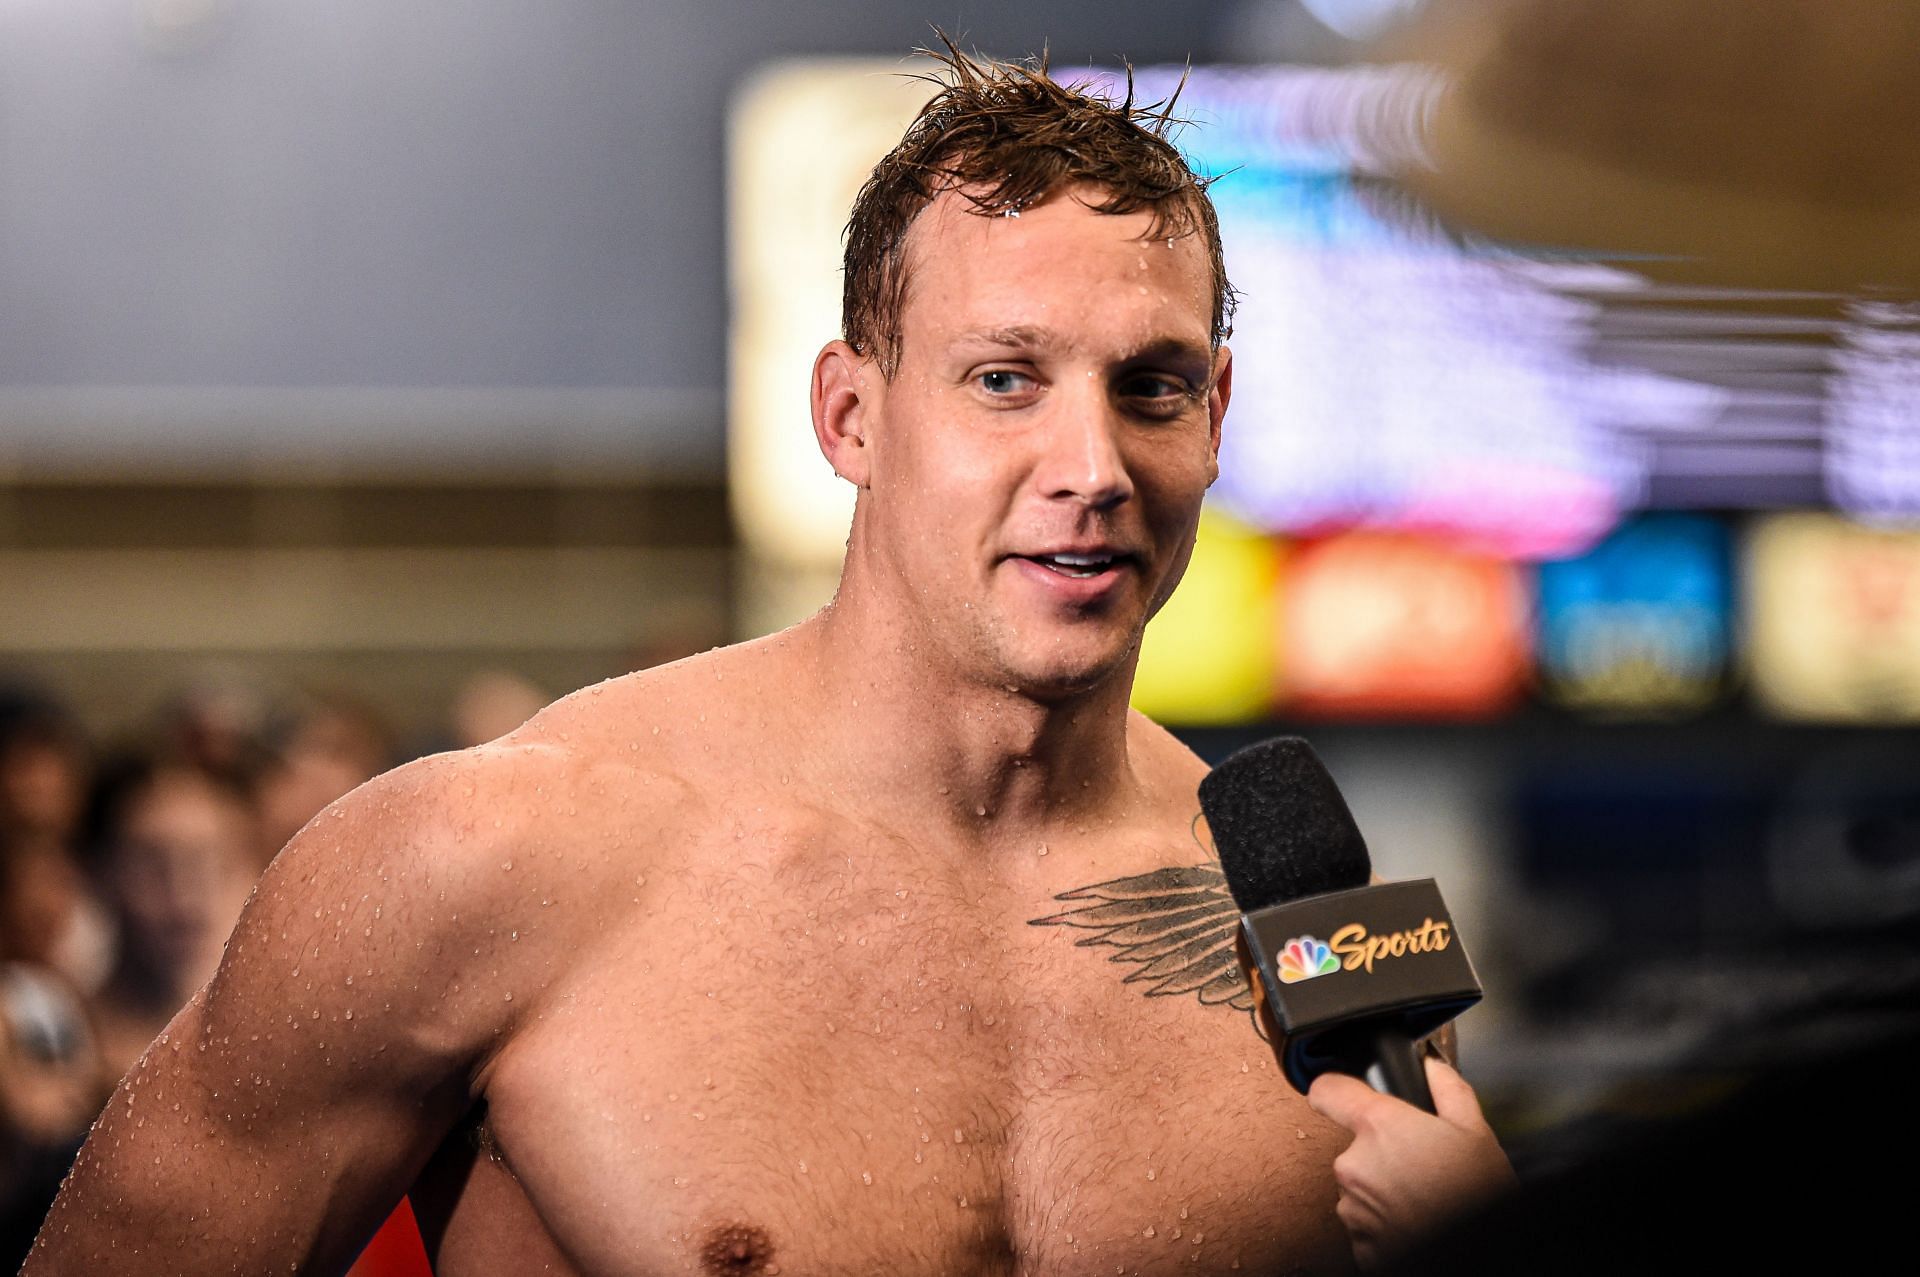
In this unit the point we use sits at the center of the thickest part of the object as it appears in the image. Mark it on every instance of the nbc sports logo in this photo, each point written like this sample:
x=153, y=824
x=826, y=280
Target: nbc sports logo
x=1304, y=958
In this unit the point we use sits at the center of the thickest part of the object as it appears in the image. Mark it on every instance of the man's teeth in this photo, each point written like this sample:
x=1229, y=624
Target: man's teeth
x=1078, y=565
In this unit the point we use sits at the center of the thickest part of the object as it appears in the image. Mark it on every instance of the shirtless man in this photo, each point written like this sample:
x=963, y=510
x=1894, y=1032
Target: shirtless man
x=731, y=966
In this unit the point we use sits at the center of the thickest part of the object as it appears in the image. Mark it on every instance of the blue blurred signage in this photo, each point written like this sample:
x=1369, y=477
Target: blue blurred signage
x=1642, y=623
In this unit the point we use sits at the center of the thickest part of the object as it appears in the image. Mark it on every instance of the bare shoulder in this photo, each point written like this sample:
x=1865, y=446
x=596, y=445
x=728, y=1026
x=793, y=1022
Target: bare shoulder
x=455, y=887
x=650, y=717
x=467, y=844
x=1169, y=770
x=382, y=908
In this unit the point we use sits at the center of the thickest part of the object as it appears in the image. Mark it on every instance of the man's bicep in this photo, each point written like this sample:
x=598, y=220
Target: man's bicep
x=212, y=1159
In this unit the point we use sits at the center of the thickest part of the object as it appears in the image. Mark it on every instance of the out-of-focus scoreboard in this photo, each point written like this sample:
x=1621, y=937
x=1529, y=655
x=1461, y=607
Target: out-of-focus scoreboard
x=1456, y=477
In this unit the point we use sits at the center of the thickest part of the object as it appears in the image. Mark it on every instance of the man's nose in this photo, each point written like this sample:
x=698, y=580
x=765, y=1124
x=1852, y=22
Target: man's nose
x=1082, y=460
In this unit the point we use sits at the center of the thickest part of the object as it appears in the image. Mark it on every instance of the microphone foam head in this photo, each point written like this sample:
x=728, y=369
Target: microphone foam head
x=1280, y=826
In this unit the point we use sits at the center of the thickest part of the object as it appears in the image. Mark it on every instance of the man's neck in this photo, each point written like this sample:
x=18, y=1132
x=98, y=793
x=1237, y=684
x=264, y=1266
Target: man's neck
x=909, y=732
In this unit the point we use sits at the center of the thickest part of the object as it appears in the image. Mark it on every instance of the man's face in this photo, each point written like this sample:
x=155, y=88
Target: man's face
x=1038, y=460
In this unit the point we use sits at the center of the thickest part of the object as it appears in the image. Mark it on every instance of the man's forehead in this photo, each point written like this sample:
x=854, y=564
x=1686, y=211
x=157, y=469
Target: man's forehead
x=953, y=246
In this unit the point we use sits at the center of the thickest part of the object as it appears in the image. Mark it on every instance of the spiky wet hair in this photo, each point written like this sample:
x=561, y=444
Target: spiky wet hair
x=1007, y=135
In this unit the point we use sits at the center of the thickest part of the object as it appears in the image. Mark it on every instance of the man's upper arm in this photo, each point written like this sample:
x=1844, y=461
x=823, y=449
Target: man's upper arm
x=290, y=1103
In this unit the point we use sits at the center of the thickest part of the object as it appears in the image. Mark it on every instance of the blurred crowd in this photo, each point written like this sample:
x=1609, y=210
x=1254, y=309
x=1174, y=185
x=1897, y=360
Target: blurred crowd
x=124, y=864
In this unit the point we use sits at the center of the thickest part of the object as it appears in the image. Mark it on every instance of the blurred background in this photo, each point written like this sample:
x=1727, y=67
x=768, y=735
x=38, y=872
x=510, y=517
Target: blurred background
x=371, y=373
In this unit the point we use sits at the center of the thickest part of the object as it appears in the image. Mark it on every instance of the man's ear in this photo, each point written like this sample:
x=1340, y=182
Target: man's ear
x=846, y=392
x=1217, y=410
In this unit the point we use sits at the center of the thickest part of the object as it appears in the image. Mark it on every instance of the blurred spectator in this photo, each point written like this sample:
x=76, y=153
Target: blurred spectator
x=219, y=722
x=328, y=744
x=43, y=766
x=51, y=1082
x=47, y=915
x=174, y=847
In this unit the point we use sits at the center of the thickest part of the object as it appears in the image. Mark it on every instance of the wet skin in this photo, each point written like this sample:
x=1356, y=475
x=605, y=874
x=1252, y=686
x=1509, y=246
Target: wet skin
x=727, y=967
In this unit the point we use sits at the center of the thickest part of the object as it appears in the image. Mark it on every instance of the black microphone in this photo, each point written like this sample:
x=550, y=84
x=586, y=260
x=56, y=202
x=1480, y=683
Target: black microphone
x=1352, y=976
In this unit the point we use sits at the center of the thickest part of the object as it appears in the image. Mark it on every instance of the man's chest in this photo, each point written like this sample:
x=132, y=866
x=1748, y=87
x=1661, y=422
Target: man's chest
x=864, y=1085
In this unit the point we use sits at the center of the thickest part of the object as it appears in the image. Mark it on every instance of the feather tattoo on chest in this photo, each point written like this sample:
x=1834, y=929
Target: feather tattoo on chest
x=1174, y=926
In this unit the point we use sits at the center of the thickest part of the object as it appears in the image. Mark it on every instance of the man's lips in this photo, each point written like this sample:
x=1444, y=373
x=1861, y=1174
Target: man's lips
x=1080, y=565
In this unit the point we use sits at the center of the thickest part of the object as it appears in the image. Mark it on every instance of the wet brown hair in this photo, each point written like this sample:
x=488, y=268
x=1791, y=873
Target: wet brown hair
x=1008, y=135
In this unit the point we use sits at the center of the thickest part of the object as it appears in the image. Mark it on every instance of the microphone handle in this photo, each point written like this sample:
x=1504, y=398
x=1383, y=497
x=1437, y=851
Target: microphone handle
x=1396, y=1063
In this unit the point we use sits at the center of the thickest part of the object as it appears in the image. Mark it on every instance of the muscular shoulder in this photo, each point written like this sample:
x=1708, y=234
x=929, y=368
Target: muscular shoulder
x=454, y=888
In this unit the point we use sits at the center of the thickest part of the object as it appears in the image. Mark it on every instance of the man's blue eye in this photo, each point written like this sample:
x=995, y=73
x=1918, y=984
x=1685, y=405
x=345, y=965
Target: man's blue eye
x=1000, y=382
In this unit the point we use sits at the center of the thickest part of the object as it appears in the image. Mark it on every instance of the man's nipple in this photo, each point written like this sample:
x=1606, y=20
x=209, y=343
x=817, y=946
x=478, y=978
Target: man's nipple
x=738, y=1250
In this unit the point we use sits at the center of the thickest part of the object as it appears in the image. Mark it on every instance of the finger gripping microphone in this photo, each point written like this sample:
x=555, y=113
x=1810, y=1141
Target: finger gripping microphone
x=1353, y=975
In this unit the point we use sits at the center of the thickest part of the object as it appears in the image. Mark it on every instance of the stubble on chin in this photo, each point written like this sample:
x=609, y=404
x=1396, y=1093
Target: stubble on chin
x=1065, y=671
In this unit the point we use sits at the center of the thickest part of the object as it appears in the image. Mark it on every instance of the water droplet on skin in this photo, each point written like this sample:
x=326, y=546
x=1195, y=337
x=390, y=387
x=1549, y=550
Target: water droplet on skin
x=959, y=1136
x=866, y=1177
x=1243, y=1066
x=803, y=1168
x=1183, y=1212
x=1149, y=1231
x=1299, y=1134
x=1043, y=849
x=1152, y=1174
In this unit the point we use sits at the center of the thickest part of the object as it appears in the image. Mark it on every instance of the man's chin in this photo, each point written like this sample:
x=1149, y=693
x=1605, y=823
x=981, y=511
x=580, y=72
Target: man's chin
x=1059, y=678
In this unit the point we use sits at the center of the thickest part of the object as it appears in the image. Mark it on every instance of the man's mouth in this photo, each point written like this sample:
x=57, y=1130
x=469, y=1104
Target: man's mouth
x=1078, y=566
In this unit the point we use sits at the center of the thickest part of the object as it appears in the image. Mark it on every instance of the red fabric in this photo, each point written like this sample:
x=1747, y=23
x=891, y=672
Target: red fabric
x=396, y=1250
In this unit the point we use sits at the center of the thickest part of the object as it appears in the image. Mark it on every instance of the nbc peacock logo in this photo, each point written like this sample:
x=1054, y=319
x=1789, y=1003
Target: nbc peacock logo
x=1303, y=958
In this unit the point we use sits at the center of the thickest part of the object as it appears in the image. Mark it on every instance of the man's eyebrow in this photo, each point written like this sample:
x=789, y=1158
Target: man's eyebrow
x=1172, y=349
x=1029, y=337
x=1017, y=336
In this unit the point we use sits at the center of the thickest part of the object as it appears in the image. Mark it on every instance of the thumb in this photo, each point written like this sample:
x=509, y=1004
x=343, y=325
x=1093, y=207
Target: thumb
x=1453, y=1100
x=1342, y=1099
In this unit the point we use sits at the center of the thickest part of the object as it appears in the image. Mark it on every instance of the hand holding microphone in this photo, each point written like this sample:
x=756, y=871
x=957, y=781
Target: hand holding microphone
x=1350, y=978
x=1408, y=1172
